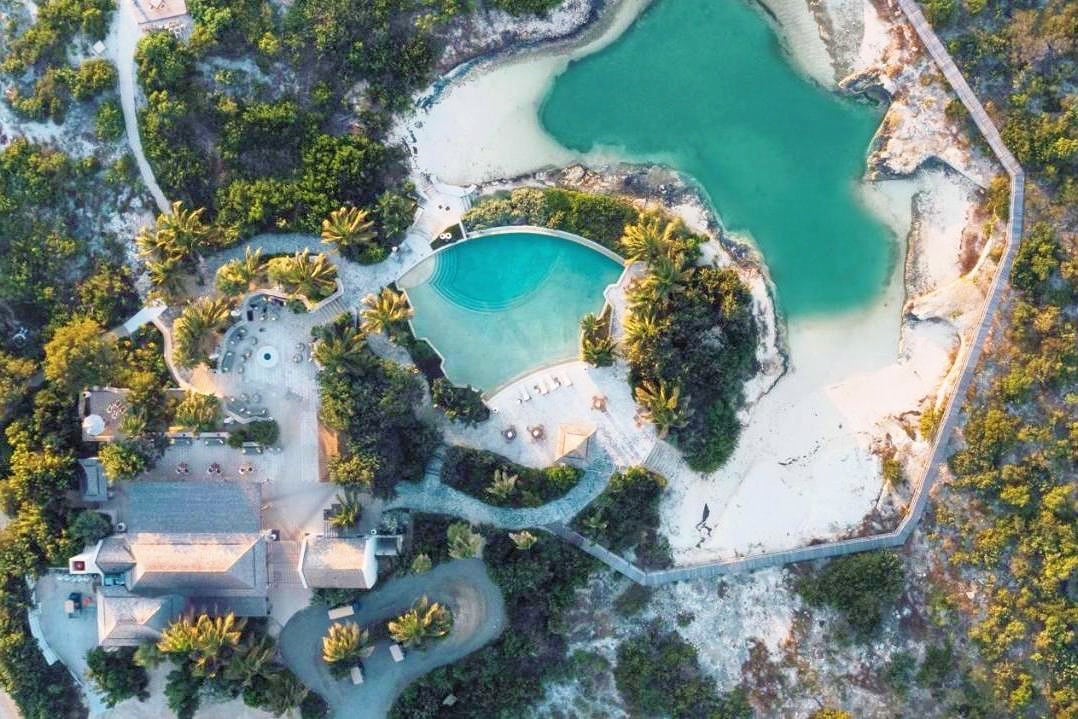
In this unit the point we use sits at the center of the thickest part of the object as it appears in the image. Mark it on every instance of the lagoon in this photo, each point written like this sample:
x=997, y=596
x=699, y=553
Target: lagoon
x=704, y=87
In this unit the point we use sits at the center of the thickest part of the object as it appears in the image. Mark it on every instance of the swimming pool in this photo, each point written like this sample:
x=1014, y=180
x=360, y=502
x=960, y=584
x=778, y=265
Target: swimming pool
x=507, y=302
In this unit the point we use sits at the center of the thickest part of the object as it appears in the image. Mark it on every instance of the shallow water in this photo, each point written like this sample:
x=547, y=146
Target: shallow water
x=703, y=86
x=498, y=307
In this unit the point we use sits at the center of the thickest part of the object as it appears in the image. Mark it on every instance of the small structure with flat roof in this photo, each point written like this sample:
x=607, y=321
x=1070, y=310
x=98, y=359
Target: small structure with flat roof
x=338, y=562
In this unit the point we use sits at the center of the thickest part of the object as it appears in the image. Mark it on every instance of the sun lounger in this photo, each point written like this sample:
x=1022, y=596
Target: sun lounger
x=396, y=652
x=345, y=610
x=568, y=380
x=357, y=675
x=524, y=396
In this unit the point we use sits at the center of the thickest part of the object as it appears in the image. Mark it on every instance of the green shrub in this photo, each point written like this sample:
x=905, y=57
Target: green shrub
x=474, y=471
x=861, y=587
x=687, y=695
x=460, y=404
x=116, y=675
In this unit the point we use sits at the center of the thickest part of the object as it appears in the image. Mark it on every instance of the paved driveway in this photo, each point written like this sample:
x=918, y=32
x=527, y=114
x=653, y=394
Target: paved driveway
x=464, y=586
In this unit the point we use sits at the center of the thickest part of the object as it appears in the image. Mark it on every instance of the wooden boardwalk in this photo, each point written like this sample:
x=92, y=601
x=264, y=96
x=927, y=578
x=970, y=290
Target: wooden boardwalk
x=952, y=410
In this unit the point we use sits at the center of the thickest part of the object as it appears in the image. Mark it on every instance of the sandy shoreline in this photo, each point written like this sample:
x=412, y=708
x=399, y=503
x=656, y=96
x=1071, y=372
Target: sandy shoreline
x=808, y=465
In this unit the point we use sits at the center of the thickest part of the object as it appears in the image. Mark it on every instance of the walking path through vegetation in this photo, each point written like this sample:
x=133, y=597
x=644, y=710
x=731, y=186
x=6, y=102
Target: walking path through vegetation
x=462, y=585
x=432, y=496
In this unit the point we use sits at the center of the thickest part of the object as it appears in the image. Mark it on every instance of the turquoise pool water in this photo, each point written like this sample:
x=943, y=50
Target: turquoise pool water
x=499, y=306
x=703, y=85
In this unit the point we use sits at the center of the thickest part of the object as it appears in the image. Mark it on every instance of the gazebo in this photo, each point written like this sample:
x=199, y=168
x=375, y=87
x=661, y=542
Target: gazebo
x=573, y=441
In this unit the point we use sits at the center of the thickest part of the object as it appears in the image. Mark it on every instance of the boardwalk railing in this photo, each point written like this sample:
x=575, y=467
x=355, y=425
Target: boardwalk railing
x=952, y=408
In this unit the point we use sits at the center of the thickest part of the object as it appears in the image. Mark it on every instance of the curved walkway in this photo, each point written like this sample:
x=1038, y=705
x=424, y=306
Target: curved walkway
x=433, y=497
x=124, y=37
x=478, y=618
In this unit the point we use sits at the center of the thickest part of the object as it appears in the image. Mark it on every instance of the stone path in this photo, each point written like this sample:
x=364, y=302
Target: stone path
x=433, y=497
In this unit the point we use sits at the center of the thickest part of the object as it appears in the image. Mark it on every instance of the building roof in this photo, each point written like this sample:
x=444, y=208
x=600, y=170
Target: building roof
x=127, y=620
x=338, y=563
x=94, y=485
x=114, y=556
x=199, y=564
x=573, y=441
x=193, y=507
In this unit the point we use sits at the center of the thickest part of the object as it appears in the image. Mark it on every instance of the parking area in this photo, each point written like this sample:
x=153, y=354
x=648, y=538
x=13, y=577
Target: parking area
x=69, y=638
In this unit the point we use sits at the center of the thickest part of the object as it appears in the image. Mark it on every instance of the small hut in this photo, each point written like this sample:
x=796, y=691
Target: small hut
x=574, y=441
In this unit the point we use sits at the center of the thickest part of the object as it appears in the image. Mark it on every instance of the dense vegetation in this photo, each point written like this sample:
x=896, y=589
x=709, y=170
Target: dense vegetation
x=626, y=517
x=496, y=480
x=1008, y=526
x=371, y=403
x=658, y=675
x=690, y=340
x=506, y=678
x=275, y=147
x=861, y=587
x=599, y=218
x=226, y=657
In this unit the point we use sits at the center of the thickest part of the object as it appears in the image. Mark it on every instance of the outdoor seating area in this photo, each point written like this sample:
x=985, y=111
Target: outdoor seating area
x=544, y=386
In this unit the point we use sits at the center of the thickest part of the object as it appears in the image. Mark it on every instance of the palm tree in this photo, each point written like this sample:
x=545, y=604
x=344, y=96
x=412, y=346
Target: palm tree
x=178, y=235
x=650, y=238
x=463, y=542
x=595, y=523
x=251, y=661
x=204, y=641
x=667, y=277
x=345, y=644
x=661, y=405
x=642, y=328
x=421, y=563
x=591, y=325
x=385, y=310
x=313, y=277
x=200, y=318
x=166, y=276
x=339, y=346
x=523, y=540
x=502, y=485
x=235, y=277
x=348, y=228
x=598, y=351
x=348, y=513
x=425, y=620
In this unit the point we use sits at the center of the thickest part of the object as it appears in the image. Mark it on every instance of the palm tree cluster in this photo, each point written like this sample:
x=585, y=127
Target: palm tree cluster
x=668, y=251
x=425, y=620
x=207, y=642
x=346, y=644
x=352, y=232
x=312, y=276
x=385, y=311
x=193, y=330
x=237, y=277
x=464, y=543
x=173, y=245
x=597, y=347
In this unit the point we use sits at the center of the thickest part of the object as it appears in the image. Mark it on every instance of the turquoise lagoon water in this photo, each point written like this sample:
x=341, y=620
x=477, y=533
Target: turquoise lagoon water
x=702, y=85
x=497, y=307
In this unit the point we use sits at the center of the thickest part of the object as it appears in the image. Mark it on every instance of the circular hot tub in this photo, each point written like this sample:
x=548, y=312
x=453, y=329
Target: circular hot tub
x=267, y=356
